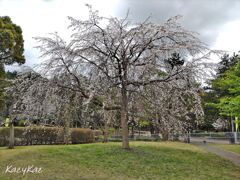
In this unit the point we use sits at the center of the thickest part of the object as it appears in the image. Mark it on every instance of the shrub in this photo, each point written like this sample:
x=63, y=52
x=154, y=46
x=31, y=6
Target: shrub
x=43, y=135
x=4, y=134
x=80, y=135
x=21, y=123
x=32, y=135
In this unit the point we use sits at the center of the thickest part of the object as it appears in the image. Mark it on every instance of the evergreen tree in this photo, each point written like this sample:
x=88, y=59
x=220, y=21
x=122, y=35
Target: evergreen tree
x=11, y=42
x=227, y=62
x=11, y=50
x=217, y=91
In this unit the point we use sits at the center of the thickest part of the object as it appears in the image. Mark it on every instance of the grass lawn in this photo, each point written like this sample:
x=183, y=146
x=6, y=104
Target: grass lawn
x=229, y=147
x=146, y=160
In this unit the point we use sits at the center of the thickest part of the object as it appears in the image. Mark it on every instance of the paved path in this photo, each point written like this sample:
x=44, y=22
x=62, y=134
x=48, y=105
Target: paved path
x=234, y=157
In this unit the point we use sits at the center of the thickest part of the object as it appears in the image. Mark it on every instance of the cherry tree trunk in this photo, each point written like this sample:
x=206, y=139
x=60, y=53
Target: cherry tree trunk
x=66, y=126
x=165, y=135
x=66, y=133
x=105, y=138
x=11, y=135
x=125, y=140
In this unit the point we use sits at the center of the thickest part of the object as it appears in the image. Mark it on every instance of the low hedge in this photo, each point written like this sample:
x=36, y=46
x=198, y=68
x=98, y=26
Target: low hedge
x=34, y=135
x=80, y=135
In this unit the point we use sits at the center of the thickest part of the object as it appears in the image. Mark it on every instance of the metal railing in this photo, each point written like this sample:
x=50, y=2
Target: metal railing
x=216, y=137
x=211, y=137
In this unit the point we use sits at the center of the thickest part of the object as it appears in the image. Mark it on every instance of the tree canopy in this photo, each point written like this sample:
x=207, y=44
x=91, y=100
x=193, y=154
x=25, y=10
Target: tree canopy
x=116, y=53
x=222, y=99
x=229, y=85
x=11, y=42
x=11, y=50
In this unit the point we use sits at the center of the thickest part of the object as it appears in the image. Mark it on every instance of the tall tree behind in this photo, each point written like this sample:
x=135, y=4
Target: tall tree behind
x=2, y=85
x=218, y=90
x=229, y=86
x=11, y=50
x=11, y=42
x=226, y=63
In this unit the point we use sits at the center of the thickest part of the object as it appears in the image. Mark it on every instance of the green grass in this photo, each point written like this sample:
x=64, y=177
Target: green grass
x=146, y=160
x=229, y=147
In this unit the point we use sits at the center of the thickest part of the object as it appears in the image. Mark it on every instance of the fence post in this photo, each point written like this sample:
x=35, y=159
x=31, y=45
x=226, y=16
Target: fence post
x=235, y=137
x=232, y=139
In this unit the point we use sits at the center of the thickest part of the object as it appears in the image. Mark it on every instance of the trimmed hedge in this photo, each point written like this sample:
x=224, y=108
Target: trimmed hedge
x=80, y=135
x=45, y=135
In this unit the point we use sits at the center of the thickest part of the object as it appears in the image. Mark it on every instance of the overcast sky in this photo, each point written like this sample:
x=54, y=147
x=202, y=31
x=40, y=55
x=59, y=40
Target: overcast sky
x=217, y=21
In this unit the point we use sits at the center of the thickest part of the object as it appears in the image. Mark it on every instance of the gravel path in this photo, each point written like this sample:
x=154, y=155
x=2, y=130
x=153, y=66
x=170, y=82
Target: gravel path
x=234, y=157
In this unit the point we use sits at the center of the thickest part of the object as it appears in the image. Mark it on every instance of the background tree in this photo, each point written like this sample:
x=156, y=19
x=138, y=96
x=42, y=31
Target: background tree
x=40, y=100
x=229, y=85
x=226, y=63
x=11, y=42
x=173, y=108
x=2, y=86
x=218, y=94
x=11, y=51
x=211, y=113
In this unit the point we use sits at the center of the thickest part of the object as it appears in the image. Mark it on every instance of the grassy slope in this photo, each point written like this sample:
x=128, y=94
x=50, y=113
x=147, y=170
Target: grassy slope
x=146, y=160
x=229, y=147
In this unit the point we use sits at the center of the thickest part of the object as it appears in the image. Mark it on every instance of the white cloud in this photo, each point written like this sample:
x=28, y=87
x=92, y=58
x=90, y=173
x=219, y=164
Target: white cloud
x=229, y=37
x=40, y=17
